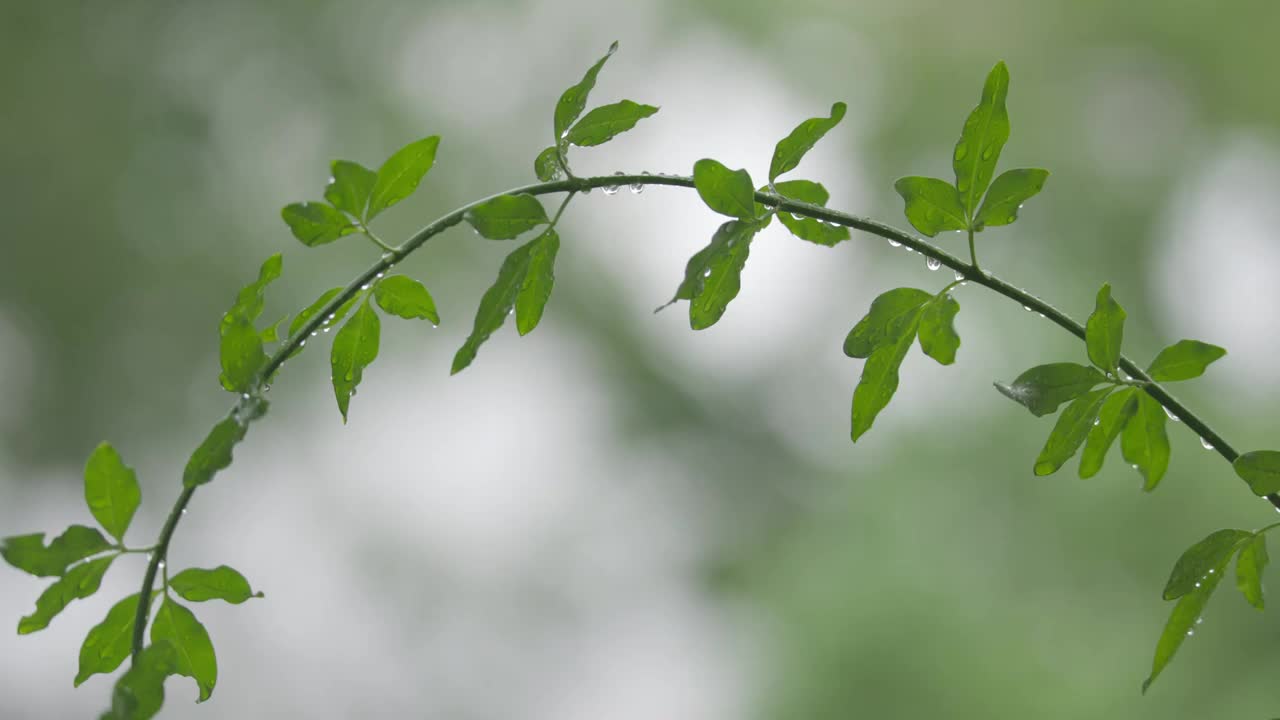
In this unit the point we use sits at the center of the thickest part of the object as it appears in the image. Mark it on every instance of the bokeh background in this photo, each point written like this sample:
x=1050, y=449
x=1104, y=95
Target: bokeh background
x=615, y=517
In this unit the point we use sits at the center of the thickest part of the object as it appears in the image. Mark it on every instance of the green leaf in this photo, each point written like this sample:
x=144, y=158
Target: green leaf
x=240, y=347
x=1183, y=360
x=311, y=310
x=1044, y=387
x=985, y=132
x=728, y=192
x=109, y=642
x=111, y=490
x=214, y=454
x=251, y=299
x=1105, y=331
x=350, y=187
x=933, y=205
x=29, y=554
x=608, y=121
x=496, y=304
x=506, y=216
x=405, y=297
x=193, y=656
x=1181, y=623
x=1261, y=469
x=547, y=165
x=316, y=223
x=789, y=151
x=400, y=174
x=807, y=228
x=574, y=100
x=1116, y=411
x=1144, y=441
x=1250, y=564
x=888, y=310
x=220, y=583
x=539, y=278
x=1007, y=194
x=139, y=693
x=722, y=276
x=938, y=337
x=354, y=348
x=271, y=333
x=78, y=583
x=1203, y=559
x=880, y=373
x=1070, y=431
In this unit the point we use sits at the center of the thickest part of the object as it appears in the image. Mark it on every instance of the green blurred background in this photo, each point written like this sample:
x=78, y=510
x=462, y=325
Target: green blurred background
x=615, y=517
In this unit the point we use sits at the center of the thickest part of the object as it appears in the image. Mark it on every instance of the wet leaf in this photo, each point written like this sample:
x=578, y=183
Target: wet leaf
x=29, y=554
x=1070, y=431
x=316, y=223
x=1261, y=469
x=1184, y=360
x=803, y=227
x=1044, y=387
x=109, y=642
x=722, y=277
x=1181, y=624
x=214, y=453
x=350, y=187
x=547, y=165
x=111, y=490
x=507, y=216
x=606, y=122
x=1250, y=564
x=1145, y=443
x=728, y=192
x=1105, y=331
x=497, y=303
x=193, y=650
x=406, y=298
x=139, y=693
x=355, y=347
x=887, y=310
x=78, y=583
x=985, y=132
x=220, y=583
x=932, y=205
x=938, y=337
x=539, y=279
x=400, y=174
x=879, y=379
x=1116, y=411
x=574, y=100
x=1203, y=559
x=1007, y=194
x=791, y=149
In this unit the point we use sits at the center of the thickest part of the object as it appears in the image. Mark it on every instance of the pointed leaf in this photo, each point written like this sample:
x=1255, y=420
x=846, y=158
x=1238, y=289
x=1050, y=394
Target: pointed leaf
x=1105, y=331
x=316, y=223
x=1144, y=441
x=214, y=453
x=220, y=583
x=880, y=373
x=1203, y=559
x=1181, y=624
x=547, y=165
x=1261, y=469
x=938, y=337
x=139, y=693
x=506, y=216
x=80, y=582
x=193, y=656
x=109, y=642
x=985, y=132
x=497, y=303
x=574, y=100
x=350, y=187
x=405, y=297
x=1116, y=411
x=1184, y=360
x=807, y=228
x=1250, y=564
x=354, y=348
x=539, y=279
x=887, y=310
x=608, y=121
x=400, y=174
x=933, y=205
x=1044, y=387
x=111, y=490
x=1007, y=194
x=722, y=277
x=1070, y=431
x=29, y=554
x=728, y=192
x=789, y=151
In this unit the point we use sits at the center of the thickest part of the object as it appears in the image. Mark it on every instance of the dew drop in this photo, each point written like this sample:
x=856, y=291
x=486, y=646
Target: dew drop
x=313, y=333
x=303, y=343
x=364, y=286
x=959, y=276
x=894, y=243
x=1172, y=417
x=161, y=565
x=707, y=273
x=612, y=189
x=380, y=275
x=932, y=263
x=1190, y=633
x=586, y=191
x=636, y=188
x=1041, y=315
x=1027, y=308
x=1199, y=620
x=1210, y=571
x=389, y=256
x=328, y=329
x=244, y=396
x=1197, y=584
x=986, y=154
x=1206, y=444
x=1097, y=421
x=962, y=150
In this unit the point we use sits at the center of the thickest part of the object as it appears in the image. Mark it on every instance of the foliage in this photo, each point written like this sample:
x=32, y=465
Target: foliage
x=1098, y=403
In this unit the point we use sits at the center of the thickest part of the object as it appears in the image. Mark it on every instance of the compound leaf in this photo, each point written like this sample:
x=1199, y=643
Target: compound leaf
x=350, y=187
x=495, y=305
x=1181, y=624
x=722, y=277
x=29, y=554
x=539, y=279
x=938, y=337
x=879, y=379
x=574, y=100
x=1116, y=411
x=78, y=583
x=109, y=642
x=728, y=192
x=316, y=223
x=1144, y=441
x=1203, y=559
x=887, y=310
x=1007, y=194
x=985, y=132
